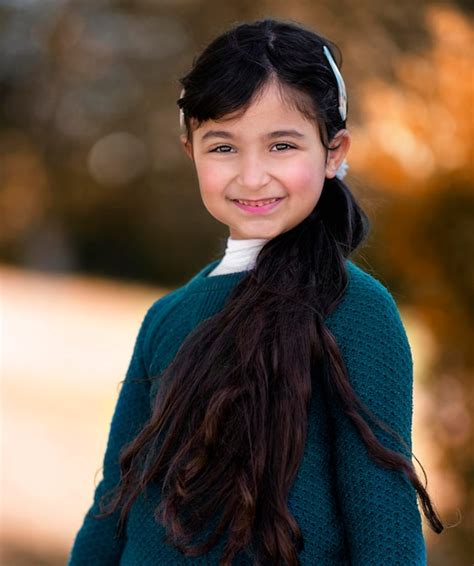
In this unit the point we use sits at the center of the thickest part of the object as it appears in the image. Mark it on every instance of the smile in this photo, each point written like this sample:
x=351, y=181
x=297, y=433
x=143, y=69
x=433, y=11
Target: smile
x=258, y=206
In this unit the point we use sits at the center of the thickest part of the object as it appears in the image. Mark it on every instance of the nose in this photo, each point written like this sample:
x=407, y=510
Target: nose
x=253, y=172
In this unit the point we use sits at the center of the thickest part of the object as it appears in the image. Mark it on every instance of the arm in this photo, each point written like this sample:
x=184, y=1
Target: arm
x=379, y=506
x=95, y=543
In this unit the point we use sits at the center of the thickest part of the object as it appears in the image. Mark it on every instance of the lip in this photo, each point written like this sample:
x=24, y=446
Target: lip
x=259, y=209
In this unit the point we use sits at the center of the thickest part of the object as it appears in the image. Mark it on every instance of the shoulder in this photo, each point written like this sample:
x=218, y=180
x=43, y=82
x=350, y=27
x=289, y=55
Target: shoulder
x=365, y=287
x=366, y=294
x=368, y=318
x=156, y=318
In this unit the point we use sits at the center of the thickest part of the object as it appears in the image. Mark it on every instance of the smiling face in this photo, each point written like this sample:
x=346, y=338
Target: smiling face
x=271, y=151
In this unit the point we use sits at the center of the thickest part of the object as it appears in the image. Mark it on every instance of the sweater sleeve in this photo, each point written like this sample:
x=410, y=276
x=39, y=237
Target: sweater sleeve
x=95, y=543
x=379, y=506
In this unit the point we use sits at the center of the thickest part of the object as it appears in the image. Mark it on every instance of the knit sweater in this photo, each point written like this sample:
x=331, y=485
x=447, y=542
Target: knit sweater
x=350, y=510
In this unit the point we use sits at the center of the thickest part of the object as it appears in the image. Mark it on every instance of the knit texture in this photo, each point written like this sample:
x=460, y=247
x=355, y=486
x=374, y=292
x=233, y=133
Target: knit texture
x=350, y=510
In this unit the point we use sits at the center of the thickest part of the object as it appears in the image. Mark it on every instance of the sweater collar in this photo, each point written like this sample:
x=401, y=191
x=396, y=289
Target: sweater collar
x=225, y=281
x=201, y=282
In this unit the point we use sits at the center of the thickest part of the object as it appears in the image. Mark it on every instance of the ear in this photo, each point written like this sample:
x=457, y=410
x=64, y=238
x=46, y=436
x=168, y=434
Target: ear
x=340, y=143
x=188, y=148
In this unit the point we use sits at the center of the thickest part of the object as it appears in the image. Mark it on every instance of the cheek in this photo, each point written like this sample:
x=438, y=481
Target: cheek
x=305, y=178
x=212, y=179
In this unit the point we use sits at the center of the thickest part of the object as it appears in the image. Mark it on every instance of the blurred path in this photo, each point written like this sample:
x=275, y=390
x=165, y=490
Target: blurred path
x=66, y=344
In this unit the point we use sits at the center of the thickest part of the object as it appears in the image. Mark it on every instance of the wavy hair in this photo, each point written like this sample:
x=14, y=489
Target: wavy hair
x=229, y=432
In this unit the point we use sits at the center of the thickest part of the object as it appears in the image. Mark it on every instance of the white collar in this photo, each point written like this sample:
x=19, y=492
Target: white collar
x=239, y=255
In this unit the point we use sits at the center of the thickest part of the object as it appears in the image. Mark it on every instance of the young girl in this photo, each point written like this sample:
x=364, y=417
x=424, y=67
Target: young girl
x=266, y=414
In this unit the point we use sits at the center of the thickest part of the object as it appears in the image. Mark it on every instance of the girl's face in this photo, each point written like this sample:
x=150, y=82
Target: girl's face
x=270, y=152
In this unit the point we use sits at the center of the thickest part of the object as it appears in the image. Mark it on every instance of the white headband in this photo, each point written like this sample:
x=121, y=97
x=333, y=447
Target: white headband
x=341, y=87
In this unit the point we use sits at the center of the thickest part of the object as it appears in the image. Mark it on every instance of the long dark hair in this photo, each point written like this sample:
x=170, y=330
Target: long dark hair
x=229, y=432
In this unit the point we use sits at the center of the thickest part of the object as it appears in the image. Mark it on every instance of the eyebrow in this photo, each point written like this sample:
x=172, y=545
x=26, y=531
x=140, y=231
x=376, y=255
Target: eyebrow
x=276, y=134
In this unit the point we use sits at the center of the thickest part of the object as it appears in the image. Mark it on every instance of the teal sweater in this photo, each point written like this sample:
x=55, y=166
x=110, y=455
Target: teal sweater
x=350, y=510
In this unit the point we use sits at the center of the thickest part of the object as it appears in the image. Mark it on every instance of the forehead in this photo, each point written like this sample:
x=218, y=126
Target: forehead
x=272, y=113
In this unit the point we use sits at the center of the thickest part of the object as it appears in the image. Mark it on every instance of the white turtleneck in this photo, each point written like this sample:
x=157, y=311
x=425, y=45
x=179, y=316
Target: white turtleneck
x=240, y=255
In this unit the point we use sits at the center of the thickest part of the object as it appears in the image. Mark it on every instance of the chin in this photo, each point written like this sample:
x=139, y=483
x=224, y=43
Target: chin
x=267, y=235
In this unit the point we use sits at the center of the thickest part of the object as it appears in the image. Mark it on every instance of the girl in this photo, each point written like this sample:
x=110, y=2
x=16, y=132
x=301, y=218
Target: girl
x=266, y=414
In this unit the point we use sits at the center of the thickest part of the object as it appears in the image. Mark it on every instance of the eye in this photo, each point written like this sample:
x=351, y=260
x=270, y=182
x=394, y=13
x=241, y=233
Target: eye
x=218, y=147
x=215, y=150
x=287, y=145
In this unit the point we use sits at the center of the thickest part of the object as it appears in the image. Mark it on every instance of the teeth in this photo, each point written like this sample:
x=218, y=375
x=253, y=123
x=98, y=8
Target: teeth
x=257, y=203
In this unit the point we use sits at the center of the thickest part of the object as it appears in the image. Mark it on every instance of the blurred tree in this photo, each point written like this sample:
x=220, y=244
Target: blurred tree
x=89, y=123
x=415, y=148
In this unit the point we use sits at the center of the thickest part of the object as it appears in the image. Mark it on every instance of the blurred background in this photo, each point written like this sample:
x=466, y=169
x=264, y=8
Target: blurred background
x=101, y=215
